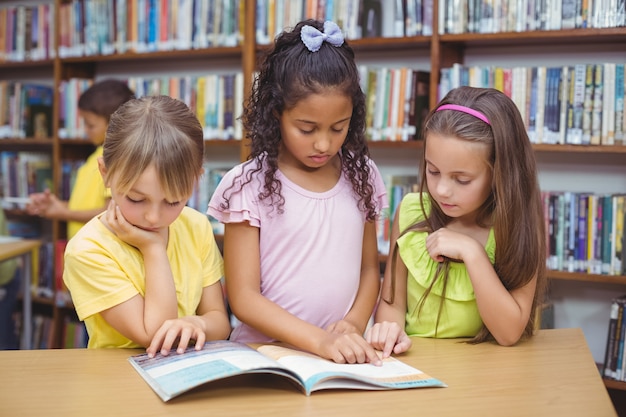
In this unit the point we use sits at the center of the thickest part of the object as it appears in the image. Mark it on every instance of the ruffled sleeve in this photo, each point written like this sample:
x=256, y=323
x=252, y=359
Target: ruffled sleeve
x=243, y=203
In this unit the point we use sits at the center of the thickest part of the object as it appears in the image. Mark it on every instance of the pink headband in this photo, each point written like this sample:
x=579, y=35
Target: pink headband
x=464, y=109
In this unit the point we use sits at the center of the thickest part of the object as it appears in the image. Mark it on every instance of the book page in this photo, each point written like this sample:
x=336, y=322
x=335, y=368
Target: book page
x=174, y=374
x=318, y=373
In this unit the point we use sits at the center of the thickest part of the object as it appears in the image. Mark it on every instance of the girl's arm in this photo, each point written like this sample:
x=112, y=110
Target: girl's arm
x=363, y=306
x=388, y=333
x=140, y=317
x=505, y=313
x=243, y=283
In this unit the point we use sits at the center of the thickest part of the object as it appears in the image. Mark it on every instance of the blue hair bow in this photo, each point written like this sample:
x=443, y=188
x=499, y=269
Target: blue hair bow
x=313, y=38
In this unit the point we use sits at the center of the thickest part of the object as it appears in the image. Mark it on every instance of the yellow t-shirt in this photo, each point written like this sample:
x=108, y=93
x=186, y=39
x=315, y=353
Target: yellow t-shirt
x=459, y=315
x=88, y=192
x=101, y=271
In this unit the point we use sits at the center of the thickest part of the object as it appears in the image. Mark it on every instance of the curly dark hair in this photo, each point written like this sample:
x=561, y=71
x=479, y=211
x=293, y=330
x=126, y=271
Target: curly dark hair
x=289, y=73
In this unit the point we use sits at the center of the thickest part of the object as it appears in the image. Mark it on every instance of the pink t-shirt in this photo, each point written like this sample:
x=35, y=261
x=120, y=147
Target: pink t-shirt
x=310, y=253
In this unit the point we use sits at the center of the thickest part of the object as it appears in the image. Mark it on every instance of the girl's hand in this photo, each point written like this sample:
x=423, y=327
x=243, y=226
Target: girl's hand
x=389, y=337
x=45, y=204
x=444, y=243
x=342, y=327
x=130, y=233
x=185, y=330
x=348, y=348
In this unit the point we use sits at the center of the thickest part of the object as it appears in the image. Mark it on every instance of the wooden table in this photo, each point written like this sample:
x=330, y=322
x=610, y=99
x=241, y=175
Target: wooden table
x=24, y=248
x=552, y=375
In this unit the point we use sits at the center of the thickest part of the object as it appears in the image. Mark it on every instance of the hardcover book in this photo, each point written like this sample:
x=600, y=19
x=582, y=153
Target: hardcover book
x=172, y=375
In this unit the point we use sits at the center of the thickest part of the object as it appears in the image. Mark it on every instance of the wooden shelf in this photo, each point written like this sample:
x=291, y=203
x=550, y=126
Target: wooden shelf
x=46, y=63
x=581, y=276
x=595, y=149
x=613, y=384
x=547, y=148
x=27, y=143
x=204, y=54
x=538, y=37
x=232, y=143
x=389, y=144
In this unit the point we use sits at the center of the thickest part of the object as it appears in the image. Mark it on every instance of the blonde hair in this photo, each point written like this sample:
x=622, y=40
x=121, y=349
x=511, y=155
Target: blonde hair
x=157, y=130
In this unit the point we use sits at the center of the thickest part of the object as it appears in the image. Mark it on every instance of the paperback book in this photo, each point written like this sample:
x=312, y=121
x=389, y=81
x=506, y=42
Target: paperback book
x=172, y=375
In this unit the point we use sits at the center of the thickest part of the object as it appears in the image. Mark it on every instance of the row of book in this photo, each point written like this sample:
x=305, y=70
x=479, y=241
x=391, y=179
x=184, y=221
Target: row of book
x=25, y=110
x=24, y=172
x=494, y=16
x=614, y=366
x=74, y=332
x=357, y=18
x=27, y=32
x=397, y=102
x=202, y=195
x=397, y=187
x=585, y=232
x=580, y=104
x=101, y=27
x=216, y=99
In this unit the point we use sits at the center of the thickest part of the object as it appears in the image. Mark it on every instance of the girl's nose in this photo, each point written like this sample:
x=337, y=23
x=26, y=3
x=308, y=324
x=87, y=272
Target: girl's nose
x=152, y=215
x=322, y=143
x=443, y=187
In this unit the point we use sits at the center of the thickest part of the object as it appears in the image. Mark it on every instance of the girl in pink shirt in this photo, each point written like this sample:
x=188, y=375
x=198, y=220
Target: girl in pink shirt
x=300, y=252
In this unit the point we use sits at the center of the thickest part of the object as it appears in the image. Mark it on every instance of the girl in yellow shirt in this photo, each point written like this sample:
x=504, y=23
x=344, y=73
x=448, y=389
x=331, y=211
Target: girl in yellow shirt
x=146, y=272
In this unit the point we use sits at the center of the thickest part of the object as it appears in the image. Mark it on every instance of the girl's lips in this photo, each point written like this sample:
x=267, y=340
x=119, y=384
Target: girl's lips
x=319, y=158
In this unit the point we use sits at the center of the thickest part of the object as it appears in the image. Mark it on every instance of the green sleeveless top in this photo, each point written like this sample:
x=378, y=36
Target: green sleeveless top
x=459, y=315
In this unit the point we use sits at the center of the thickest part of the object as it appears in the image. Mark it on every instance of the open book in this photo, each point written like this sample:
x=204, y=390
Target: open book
x=172, y=375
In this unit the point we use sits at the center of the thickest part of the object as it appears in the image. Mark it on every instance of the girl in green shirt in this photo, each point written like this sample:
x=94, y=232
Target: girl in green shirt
x=468, y=250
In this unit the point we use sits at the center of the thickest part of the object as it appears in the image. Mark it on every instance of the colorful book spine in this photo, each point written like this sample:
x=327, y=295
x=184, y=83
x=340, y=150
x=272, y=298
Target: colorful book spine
x=596, y=113
x=588, y=103
x=619, y=105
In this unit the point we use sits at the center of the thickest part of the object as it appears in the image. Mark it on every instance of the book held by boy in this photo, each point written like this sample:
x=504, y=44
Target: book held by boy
x=175, y=374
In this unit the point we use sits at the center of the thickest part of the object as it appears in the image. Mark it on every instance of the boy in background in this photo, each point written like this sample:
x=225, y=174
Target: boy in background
x=89, y=197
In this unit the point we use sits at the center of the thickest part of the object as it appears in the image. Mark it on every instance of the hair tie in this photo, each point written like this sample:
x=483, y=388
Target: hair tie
x=464, y=109
x=313, y=38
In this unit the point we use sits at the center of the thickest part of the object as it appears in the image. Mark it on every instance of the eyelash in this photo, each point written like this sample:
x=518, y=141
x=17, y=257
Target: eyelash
x=466, y=182
x=308, y=132
x=174, y=204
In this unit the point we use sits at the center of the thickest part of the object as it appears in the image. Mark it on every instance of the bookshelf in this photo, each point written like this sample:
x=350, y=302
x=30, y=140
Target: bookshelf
x=432, y=53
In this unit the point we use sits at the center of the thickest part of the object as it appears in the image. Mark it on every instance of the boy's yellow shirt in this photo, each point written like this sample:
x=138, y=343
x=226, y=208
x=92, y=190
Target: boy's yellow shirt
x=88, y=192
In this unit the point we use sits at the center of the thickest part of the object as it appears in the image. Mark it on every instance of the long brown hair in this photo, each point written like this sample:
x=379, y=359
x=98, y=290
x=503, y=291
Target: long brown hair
x=514, y=207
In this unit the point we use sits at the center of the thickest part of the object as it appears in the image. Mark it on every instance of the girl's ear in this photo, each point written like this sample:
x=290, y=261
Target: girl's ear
x=103, y=171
